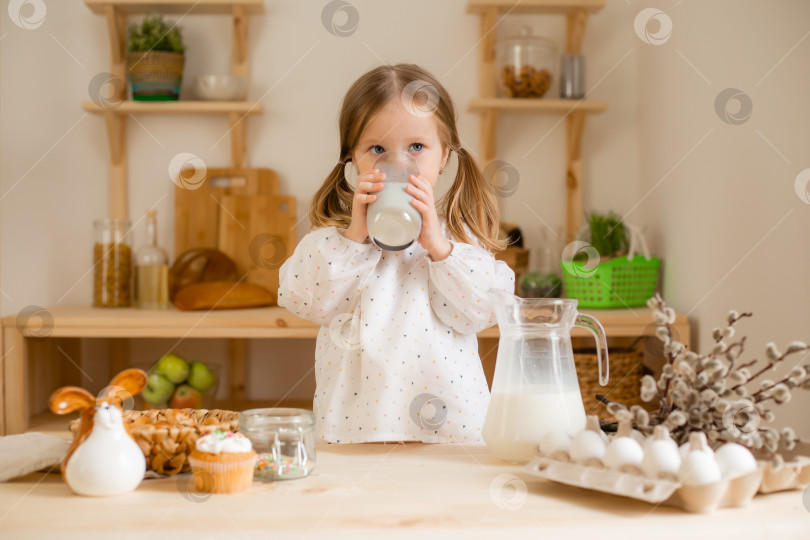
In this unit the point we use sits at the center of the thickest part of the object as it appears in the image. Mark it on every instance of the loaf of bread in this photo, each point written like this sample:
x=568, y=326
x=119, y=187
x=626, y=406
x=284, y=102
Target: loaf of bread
x=200, y=265
x=223, y=295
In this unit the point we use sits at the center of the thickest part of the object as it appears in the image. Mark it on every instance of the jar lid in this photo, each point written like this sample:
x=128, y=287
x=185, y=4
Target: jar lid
x=275, y=417
x=527, y=38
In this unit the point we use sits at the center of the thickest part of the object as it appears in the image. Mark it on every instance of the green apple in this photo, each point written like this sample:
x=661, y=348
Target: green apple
x=201, y=377
x=158, y=388
x=186, y=397
x=173, y=367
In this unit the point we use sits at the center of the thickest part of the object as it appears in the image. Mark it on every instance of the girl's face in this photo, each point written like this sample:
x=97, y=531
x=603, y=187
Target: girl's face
x=393, y=128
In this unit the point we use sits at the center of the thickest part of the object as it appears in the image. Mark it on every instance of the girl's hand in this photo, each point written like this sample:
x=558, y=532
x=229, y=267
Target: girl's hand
x=368, y=184
x=430, y=236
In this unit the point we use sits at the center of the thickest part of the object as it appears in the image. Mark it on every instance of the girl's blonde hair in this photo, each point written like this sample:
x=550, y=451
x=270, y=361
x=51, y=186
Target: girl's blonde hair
x=471, y=201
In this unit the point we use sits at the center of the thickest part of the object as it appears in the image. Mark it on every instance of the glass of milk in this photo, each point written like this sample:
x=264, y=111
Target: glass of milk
x=392, y=221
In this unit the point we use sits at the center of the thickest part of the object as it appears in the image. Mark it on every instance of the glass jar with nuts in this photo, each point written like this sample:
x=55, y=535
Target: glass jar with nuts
x=112, y=263
x=525, y=65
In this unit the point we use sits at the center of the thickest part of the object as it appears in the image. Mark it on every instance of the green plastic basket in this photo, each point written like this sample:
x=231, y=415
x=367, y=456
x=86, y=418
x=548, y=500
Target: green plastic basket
x=614, y=283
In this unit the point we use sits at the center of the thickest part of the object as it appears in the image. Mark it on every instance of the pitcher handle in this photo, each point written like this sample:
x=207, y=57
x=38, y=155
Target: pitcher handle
x=592, y=325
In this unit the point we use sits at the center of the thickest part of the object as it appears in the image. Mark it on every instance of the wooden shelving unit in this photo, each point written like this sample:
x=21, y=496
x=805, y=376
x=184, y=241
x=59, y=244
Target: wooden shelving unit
x=23, y=391
x=576, y=14
x=115, y=116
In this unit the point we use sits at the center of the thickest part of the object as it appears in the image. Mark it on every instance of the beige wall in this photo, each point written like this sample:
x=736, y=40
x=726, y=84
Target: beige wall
x=712, y=207
x=718, y=199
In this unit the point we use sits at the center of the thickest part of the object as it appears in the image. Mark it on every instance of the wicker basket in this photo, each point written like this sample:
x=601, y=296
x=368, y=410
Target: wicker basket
x=167, y=436
x=624, y=384
x=155, y=75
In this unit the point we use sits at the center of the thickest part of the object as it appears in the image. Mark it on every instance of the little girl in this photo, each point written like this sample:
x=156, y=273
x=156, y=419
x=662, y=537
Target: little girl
x=396, y=357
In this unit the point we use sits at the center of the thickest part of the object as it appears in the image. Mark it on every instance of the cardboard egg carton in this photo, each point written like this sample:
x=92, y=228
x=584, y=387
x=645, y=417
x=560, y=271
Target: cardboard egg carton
x=794, y=474
x=729, y=492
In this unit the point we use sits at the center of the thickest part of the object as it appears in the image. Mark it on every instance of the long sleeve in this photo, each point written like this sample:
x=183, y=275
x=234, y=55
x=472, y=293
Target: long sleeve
x=459, y=285
x=324, y=276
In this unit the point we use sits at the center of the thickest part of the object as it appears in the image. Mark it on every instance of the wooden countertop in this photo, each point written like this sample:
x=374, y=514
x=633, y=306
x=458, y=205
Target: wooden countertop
x=384, y=491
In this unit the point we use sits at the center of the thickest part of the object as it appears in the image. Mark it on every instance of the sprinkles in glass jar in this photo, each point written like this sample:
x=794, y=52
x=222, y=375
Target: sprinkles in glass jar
x=284, y=442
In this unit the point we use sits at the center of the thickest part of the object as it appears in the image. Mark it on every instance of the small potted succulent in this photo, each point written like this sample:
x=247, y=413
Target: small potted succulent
x=155, y=60
x=539, y=284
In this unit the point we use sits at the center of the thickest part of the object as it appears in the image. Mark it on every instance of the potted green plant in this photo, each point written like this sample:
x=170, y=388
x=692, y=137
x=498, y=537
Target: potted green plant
x=607, y=271
x=607, y=234
x=539, y=284
x=155, y=59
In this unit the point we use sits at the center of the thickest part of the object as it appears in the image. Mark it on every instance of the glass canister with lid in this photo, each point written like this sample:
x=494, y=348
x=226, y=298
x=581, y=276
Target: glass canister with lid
x=525, y=65
x=112, y=263
x=284, y=440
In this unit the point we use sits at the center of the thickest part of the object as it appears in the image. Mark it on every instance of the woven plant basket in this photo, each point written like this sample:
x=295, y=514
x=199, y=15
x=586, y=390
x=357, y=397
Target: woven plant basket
x=168, y=436
x=624, y=384
x=155, y=75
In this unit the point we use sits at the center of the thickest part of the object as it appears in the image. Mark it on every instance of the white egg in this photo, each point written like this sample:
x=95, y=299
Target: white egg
x=668, y=440
x=554, y=442
x=661, y=457
x=623, y=451
x=698, y=468
x=587, y=445
x=735, y=460
x=684, y=450
x=638, y=437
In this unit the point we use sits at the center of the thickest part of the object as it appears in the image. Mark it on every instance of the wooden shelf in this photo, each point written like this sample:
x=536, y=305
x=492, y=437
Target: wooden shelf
x=191, y=7
x=536, y=7
x=268, y=322
x=539, y=106
x=176, y=107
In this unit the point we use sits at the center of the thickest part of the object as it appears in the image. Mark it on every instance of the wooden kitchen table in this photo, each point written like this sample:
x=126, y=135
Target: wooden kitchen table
x=384, y=491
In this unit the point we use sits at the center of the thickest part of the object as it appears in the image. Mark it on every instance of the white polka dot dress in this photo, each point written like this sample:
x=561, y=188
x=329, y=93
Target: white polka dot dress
x=396, y=358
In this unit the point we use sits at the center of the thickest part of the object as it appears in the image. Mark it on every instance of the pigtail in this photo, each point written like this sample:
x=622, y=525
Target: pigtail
x=471, y=202
x=332, y=203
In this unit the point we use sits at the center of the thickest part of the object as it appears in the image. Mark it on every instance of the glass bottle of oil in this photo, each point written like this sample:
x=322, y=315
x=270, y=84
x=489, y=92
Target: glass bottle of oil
x=151, y=270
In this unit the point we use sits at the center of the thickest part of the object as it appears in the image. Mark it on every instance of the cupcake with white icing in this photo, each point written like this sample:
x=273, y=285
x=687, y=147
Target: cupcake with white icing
x=222, y=462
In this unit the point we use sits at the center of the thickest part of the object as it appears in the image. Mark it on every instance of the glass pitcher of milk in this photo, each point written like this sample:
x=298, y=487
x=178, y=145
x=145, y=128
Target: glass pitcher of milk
x=535, y=388
x=392, y=221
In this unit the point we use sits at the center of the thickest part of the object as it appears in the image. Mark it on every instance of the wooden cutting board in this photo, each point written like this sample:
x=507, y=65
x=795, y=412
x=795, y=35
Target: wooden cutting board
x=258, y=233
x=197, y=207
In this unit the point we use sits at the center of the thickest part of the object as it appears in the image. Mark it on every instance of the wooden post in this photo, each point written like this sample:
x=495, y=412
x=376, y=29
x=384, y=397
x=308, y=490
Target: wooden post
x=239, y=68
x=237, y=369
x=119, y=357
x=573, y=174
x=239, y=49
x=488, y=84
x=116, y=124
x=575, y=24
x=2, y=380
x=117, y=28
x=116, y=135
x=15, y=380
x=238, y=124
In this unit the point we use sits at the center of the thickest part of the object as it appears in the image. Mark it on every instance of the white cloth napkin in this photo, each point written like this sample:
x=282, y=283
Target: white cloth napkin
x=29, y=452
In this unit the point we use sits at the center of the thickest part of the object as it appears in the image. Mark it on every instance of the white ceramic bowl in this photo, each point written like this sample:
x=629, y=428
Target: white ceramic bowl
x=220, y=88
